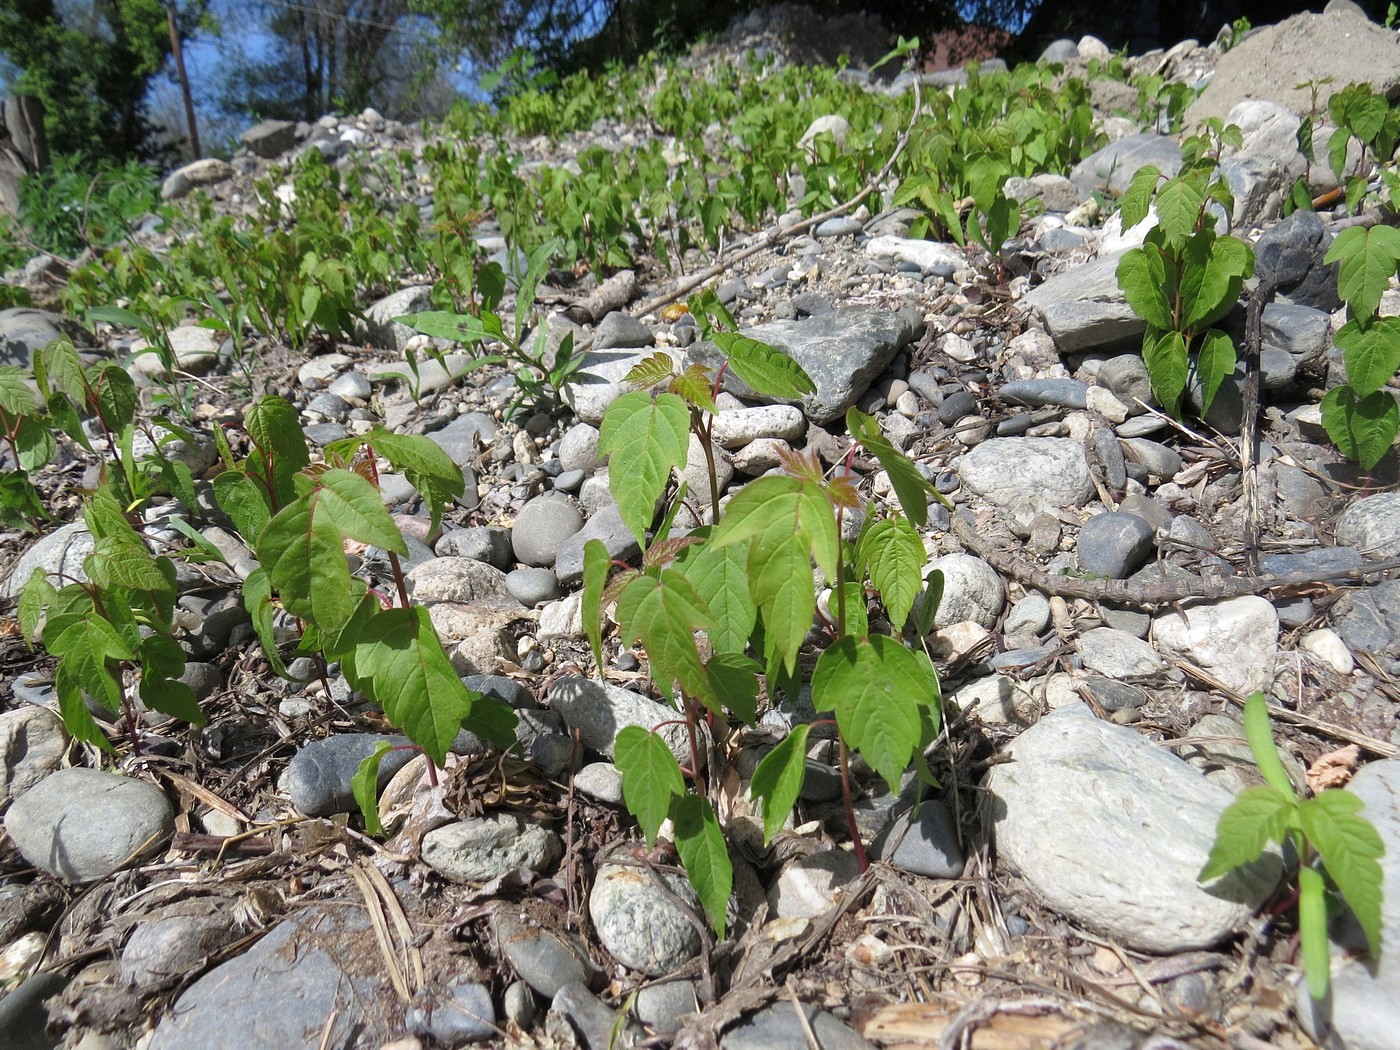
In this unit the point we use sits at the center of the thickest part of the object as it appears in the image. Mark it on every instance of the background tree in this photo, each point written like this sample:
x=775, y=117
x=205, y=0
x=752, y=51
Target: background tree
x=91, y=63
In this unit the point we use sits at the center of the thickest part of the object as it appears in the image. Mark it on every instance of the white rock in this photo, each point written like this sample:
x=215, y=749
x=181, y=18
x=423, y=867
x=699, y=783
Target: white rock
x=562, y=620
x=1101, y=400
x=1372, y=524
x=736, y=428
x=1236, y=640
x=972, y=590
x=1327, y=645
x=925, y=254
x=1111, y=830
x=999, y=700
x=760, y=456
x=196, y=351
x=811, y=884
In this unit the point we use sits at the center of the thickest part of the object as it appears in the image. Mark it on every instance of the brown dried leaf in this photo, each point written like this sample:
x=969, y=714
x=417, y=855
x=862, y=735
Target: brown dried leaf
x=1334, y=768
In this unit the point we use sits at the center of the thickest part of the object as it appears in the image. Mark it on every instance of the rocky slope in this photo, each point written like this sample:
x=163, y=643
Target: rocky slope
x=217, y=895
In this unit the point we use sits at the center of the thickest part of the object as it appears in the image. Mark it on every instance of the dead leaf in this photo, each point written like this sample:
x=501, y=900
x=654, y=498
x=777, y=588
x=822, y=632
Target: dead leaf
x=1333, y=769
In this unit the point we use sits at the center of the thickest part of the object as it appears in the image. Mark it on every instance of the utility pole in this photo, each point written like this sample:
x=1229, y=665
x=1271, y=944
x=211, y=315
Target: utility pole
x=184, y=80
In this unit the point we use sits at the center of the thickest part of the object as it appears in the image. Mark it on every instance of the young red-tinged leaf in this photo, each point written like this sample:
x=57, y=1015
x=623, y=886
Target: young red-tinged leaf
x=1260, y=734
x=1364, y=428
x=658, y=368
x=1214, y=361
x=665, y=551
x=651, y=777
x=1259, y=815
x=778, y=779
x=912, y=488
x=875, y=685
x=734, y=682
x=766, y=370
x=695, y=387
x=1351, y=848
x=1164, y=353
x=400, y=664
x=365, y=786
x=1312, y=931
x=646, y=439
x=1368, y=258
x=1138, y=198
x=1142, y=274
x=700, y=842
x=1371, y=351
x=595, y=577
x=665, y=611
x=844, y=491
x=803, y=465
x=890, y=552
x=721, y=580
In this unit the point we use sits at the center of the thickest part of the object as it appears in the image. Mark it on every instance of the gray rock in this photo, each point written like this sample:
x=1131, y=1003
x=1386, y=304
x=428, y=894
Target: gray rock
x=840, y=226
x=23, y=1016
x=81, y=824
x=1319, y=559
x=640, y=926
x=1366, y=993
x=1067, y=393
x=578, y=448
x=1083, y=307
x=956, y=405
x=927, y=846
x=1369, y=622
x=595, y=1021
x=1030, y=615
x=622, y=331
x=352, y=386
x=465, y=437
x=541, y=528
x=24, y=331
x=197, y=174
x=1291, y=254
x=544, y=961
x=843, y=352
x=1118, y=654
x=381, y=327
x=304, y=984
x=317, y=779
x=32, y=745
x=480, y=543
x=1061, y=50
x=600, y=711
x=530, y=587
x=484, y=848
x=1127, y=378
x=171, y=948
x=461, y=580
x=1046, y=474
x=972, y=590
x=270, y=138
x=600, y=780
x=61, y=552
x=664, y=1006
x=1112, y=545
x=605, y=525
x=1372, y=524
x=330, y=406
x=1160, y=460
x=1111, y=830
x=1115, y=696
x=1302, y=332
x=602, y=379
x=519, y=1004
x=1235, y=639
x=779, y=1026
x=1148, y=509
x=1112, y=167
x=1108, y=458
x=203, y=679
x=460, y=1012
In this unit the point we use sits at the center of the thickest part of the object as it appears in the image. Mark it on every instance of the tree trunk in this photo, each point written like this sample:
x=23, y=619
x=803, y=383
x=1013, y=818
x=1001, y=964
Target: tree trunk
x=23, y=150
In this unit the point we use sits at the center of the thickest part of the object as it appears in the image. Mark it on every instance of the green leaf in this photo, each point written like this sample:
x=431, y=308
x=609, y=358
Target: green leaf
x=461, y=328
x=365, y=786
x=303, y=546
x=912, y=488
x=1258, y=816
x=1142, y=274
x=734, y=681
x=1351, y=849
x=122, y=561
x=34, y=441
x=273, y=425
x=398, y=661
x=1179, y=204
x=425, y=464
x=876, y=686
x=1368, y=258
x=1138, y=198
x=17, y=393
x=1213, y=270
x=778, y=779
x=926, y=608
x=765, y=369
x=162, y=664
x=665, y=611
x=985, y=176
x=651, y=777
x=695, y=387
x=1363, y=429
x=721, y=580
x=115, y=396
x=1164, y=353
x=1371, y=351
x=243, y=500
x=772, y=510
x=37, y=596
x=1260, y=734
x=534, y=273
x=86, y=650
x=62, y=370
x=646, y=439
x=1214, y=361
x=891, y=554
x=257, y=599
x=595, y=577
x=700, y=842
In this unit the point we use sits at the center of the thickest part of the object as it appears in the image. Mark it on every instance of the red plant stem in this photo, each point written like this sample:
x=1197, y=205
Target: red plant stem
x=696, y=771
x=851, y=826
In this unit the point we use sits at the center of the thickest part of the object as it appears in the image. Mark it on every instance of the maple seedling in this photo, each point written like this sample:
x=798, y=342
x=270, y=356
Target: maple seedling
x=1331, y=838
